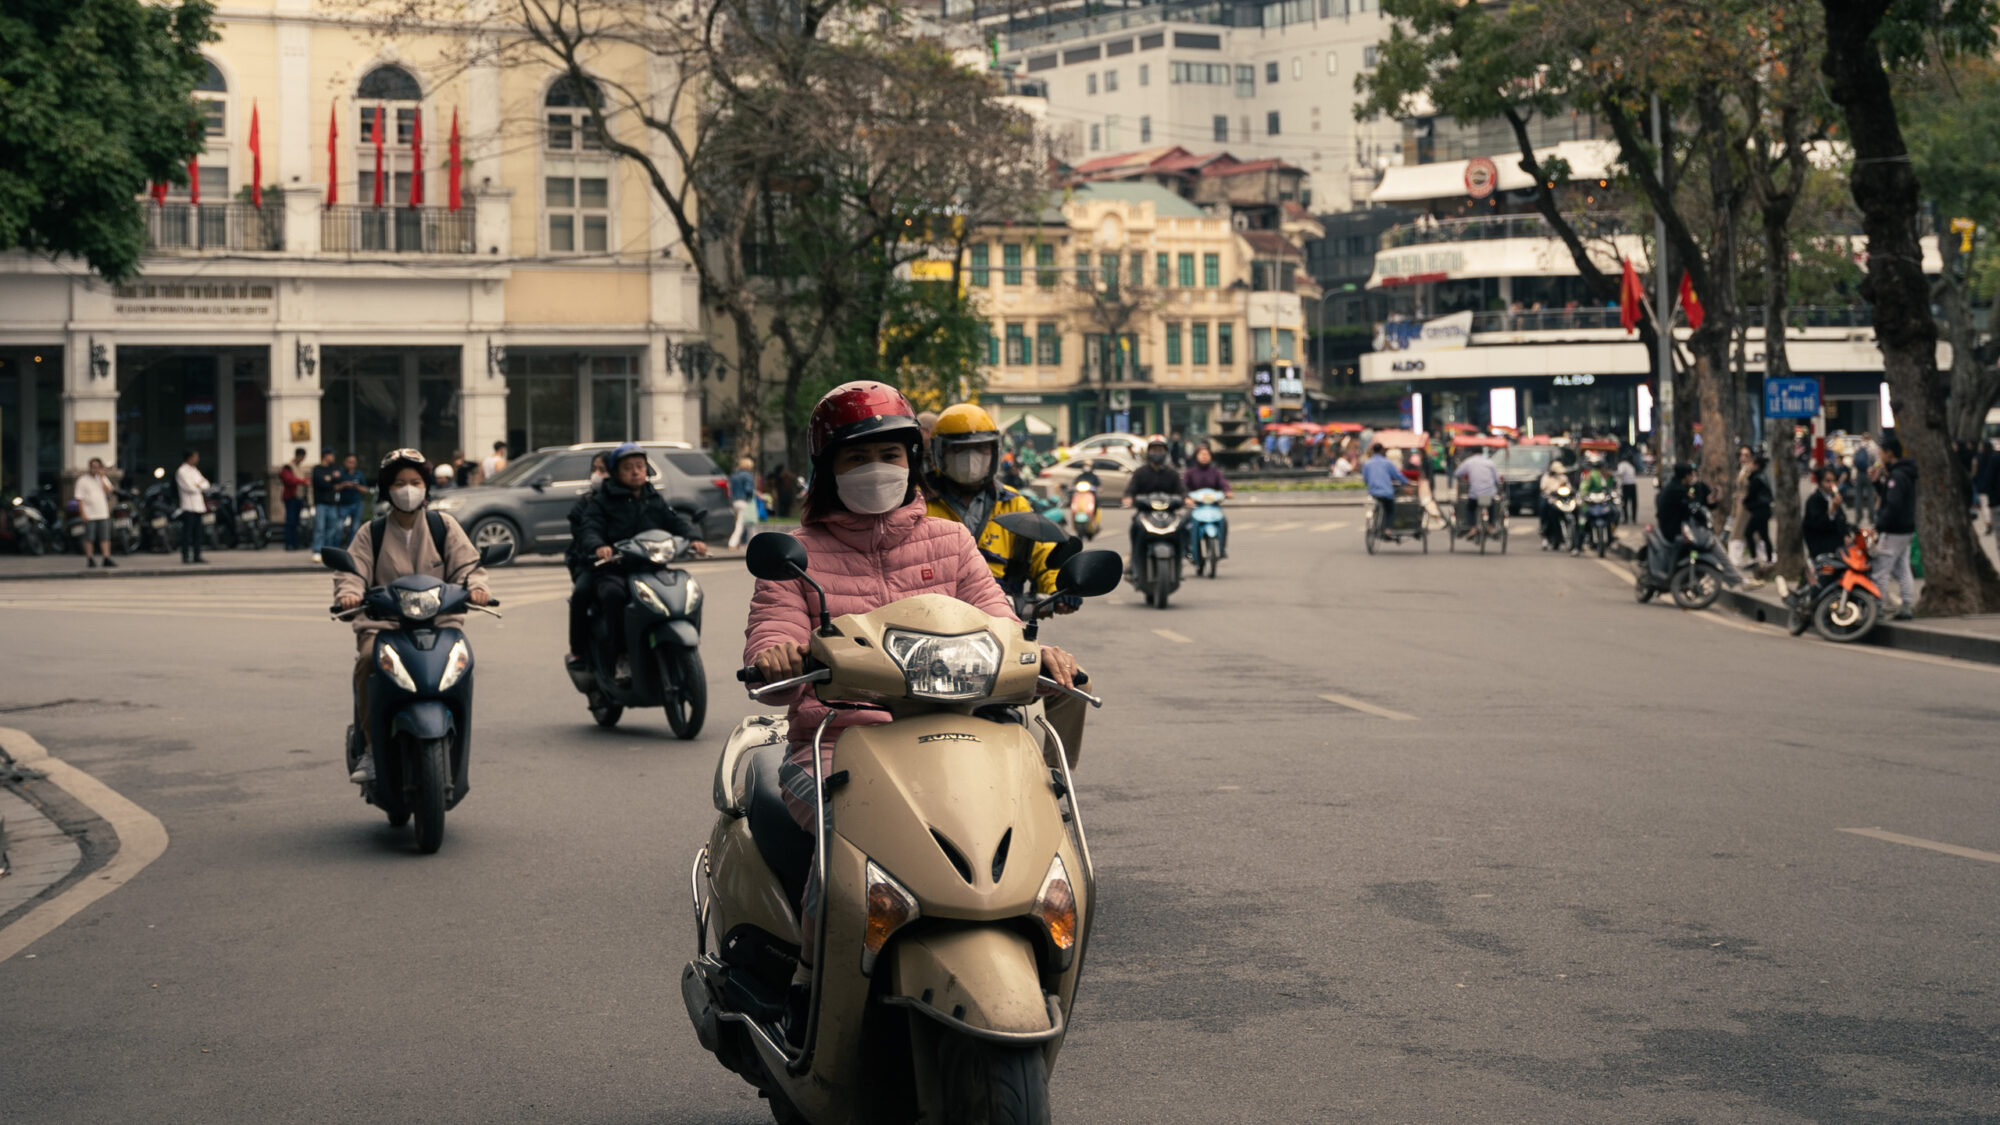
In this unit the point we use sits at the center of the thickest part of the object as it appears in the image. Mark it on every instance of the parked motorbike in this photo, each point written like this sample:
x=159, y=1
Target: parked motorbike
x=159, y=530
x=950, y=933
x=124, y=521
x=1600, y=516
x=1698, y=567
x=49, y=505
x=24, y=530
x=1156, y=564
x=1839, y=599
x=251, y=525
x=662, y=638
x=1207, y=530
x=1083, y=519
x=419, y=696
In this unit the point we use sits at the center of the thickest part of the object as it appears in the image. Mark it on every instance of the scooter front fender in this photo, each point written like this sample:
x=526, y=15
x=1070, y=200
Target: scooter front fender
x=423, y=719
x=1856, y=580
x=677, y=633
x=982, y=982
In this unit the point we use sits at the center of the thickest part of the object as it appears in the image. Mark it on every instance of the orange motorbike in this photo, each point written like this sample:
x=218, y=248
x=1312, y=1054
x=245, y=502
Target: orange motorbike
x=1839, y=599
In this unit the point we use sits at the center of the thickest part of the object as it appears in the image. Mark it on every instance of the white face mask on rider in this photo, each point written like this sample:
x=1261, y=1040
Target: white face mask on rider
x=968, y=466
x=874, y=488
x=407, y=497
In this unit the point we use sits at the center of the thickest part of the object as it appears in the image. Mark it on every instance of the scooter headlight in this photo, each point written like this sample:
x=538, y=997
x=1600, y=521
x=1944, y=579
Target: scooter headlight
x=663, y=551
x=693, y=597
x=455, y=664
x=392, y=667
x=648, y=598
x=890, y=908
x=945, y=668
x=1055, y=908
x=419, y=605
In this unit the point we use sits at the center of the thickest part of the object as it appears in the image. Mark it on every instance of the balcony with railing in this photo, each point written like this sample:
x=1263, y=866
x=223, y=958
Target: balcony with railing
x=1483, y=228
x=357, y=229
x=188, y=228
x=1557, y=320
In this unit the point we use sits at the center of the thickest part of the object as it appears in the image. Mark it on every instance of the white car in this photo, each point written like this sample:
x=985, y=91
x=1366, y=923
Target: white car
x=1133, y=444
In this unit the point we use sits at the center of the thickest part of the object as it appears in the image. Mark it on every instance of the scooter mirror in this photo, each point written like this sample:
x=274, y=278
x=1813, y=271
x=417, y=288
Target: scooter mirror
x=1091, y=574
x=775, y=556
x=1065, y=551
x=1032, y=526
x=493, y=554
x=337, y=559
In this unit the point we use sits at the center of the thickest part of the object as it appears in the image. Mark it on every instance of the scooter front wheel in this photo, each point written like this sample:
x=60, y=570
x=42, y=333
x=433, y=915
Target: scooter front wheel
x=1696, y=587
x=604, y=711
x=433, y=785
x=687, y=703
x=992, y=1084
x=1844, y=620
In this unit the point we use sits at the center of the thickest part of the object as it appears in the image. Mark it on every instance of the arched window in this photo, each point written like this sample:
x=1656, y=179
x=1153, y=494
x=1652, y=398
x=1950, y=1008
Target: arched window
x=568, y=115
x=576, y=175
x=394, y=91
x=214, y=106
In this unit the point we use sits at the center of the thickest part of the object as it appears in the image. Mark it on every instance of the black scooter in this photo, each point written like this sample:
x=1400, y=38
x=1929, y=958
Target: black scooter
x=419, y=696
x=1698, y=568
x=662, y=638
x=1156, y=564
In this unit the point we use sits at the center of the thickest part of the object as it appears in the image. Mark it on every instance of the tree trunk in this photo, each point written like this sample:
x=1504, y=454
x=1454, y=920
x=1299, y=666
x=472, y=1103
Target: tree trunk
x=1974, y=385
x=1787, y=541
x=1958, y=578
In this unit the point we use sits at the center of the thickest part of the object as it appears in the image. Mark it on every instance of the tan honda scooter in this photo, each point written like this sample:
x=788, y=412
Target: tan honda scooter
x=958, y=887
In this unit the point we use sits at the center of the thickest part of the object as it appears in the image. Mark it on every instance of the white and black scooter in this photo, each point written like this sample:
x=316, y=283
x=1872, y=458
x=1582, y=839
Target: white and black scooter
x=662, y=637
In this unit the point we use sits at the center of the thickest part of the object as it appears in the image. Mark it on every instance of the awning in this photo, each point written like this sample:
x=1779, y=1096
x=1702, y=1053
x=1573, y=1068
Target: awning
x=1417, y=183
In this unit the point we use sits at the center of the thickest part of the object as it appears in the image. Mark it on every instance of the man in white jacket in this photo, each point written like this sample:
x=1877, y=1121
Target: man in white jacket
x=192, y=487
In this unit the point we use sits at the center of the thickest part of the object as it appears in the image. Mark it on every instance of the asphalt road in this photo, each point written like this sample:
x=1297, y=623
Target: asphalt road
x=1596, y=872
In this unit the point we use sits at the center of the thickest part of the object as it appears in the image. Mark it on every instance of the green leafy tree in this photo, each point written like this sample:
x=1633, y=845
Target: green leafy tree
x=95, y=102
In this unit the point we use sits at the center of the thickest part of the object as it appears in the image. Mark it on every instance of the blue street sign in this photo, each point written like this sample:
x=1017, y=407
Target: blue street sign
x=1791, y=398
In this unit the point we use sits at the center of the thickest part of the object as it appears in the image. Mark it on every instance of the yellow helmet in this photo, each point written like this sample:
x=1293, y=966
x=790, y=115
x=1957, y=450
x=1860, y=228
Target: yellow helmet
x=963, y=430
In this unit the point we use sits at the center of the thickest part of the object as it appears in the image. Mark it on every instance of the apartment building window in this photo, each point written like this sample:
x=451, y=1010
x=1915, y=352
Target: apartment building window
x=1173, y=343
x=1107, y=268
x=1271, y=73
x=1246, y=81
x=1135, y=274
x=1048, y=346
x=1298, y=69
x=567, y=113
x=1211, y=270
x=1186, y=264
x=1045, y=266
x=211, y=98
x=1090, y=83
x=1369, y=55
x=1198, y=339
x=1332, y=63
x=1163, y=270
x=1200, y=74
x=1287, y=344
x=1243, y=127
x=1222, y=129
x=1145, y=130
x=1260, y=345
x=980, y=263
x=1271, y=123
x=579, y=211
x=1145, y=74
x=395, y=93
x=1096, y=138
x=1082, y=270
x=1110, y=81
x=1225, y=343
x=992, y=345
x=1017, y=344
x=1010, y=262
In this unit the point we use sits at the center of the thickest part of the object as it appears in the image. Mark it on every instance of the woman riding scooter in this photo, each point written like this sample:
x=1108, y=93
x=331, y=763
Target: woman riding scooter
x=870, y=544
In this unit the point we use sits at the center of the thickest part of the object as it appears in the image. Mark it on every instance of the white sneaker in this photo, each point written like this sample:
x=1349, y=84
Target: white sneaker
x=315, y=556
x=365, y=771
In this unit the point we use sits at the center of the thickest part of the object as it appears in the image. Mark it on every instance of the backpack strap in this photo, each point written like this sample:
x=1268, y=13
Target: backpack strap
x=378, y=525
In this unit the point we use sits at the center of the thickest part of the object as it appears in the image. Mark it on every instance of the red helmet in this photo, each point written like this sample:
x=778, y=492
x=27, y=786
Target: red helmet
x=861, y=409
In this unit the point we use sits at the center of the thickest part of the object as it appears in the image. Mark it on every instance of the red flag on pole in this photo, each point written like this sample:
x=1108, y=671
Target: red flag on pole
x=378, y=154
x=1695, y=313
x=456, y=168
x=194, y=180
x=159, y=193
x=256, y=161
x=417, y=157
x=1631, y=295
x=333, y=154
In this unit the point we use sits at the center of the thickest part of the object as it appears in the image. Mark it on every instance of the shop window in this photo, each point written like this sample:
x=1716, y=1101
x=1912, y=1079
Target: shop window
x=980, y=273
x=579, y=213
x=1198, y=342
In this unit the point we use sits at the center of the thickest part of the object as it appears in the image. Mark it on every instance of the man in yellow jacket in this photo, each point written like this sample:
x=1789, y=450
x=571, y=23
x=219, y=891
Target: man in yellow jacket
x=960, y=485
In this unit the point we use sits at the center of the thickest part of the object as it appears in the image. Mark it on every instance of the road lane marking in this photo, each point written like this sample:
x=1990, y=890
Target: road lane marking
x=141, y=840
x=1336, y=525
x=60, y=608
x=1354, y=704
x=1169, y=634
x=1289, y=525
x=1932, y=845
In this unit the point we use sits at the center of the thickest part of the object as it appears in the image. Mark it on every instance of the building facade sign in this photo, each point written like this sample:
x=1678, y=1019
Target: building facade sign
x=195, y=298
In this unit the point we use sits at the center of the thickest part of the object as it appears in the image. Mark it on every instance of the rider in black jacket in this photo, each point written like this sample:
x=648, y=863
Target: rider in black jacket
x=1154, y=476
x=623, y=506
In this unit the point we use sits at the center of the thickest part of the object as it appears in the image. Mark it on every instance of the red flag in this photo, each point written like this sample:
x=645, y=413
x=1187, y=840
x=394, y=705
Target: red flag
x=1630, y=296
x=333, y=154
x=194, y=180
x=378, y=154
x=456, y=170
x=256, y=161
x=417, y=157
x=1690, y=302
x=159, y=193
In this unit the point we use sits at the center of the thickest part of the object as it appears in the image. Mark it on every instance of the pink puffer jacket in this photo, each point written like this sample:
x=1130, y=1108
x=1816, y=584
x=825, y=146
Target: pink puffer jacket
x=866, y=562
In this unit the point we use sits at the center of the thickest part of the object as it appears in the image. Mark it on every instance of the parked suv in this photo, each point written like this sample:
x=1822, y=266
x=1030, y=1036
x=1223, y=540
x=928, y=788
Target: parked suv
x=527, y=503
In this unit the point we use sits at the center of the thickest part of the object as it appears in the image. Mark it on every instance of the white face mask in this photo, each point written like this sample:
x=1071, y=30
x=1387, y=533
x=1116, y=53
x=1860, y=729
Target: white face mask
x=597, y=475
x=407, y=497
x=968, y=466
x=874, y=488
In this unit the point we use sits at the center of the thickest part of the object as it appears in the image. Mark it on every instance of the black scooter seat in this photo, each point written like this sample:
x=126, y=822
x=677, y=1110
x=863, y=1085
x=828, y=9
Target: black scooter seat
x=786, y=848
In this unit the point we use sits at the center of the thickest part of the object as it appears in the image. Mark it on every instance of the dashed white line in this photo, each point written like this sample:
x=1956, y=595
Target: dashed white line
x=1170, y=635
x=1367, y=708
x=1289, y=525
x=1931, y=845
x=1336, y=525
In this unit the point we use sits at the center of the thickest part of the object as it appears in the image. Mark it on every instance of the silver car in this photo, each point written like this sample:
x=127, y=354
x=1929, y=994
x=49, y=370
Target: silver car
x=527, y=503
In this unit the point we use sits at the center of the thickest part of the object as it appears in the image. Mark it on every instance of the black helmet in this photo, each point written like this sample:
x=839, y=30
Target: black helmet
x=1683, y=469
x=395, y=462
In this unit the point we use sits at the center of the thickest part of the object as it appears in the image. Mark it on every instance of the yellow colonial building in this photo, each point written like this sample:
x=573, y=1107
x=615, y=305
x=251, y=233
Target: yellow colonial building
x=1129, y=308
x=548, y=306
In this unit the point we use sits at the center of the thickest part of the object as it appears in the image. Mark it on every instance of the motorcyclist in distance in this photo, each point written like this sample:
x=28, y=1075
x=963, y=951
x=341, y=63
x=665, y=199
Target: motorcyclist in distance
x=1554, y=532
x=1153, y=476
x=624, y=505
x=1204, y=473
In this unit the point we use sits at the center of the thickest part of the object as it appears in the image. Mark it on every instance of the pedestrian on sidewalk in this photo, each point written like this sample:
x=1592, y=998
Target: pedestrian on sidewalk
x=1896, y=524
x=293, y=483
x=325, y=478
x=784, y=489
x=1628, y=485
x=743, y=498
x=1824, y=527
x=1864, y=460
x=490, y=468
x=1757, y=501
x=191, y=488
x=350, y=491
x=93, y=502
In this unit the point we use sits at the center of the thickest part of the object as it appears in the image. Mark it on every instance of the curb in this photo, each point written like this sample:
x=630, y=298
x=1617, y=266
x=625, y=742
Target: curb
x=141, y=840
x=1886, y=634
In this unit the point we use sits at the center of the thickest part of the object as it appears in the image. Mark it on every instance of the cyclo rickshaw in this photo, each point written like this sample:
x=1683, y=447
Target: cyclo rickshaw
x=1488, y=524
x=1416, y=513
